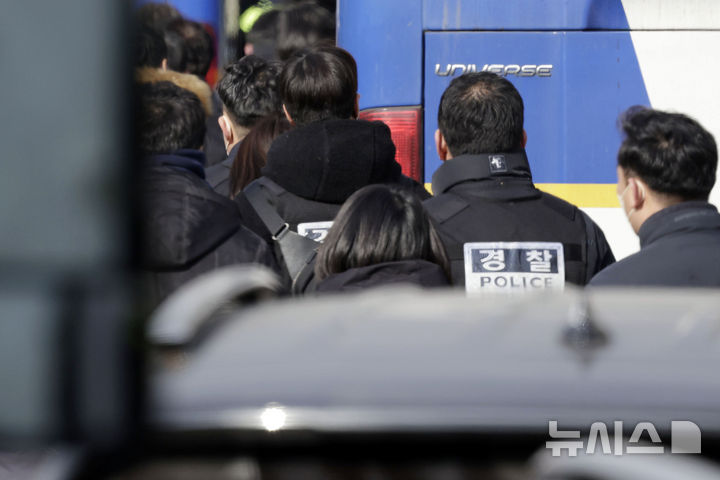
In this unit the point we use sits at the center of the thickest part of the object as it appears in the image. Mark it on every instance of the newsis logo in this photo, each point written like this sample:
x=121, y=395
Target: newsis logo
x=450, y=70
x=685, y=437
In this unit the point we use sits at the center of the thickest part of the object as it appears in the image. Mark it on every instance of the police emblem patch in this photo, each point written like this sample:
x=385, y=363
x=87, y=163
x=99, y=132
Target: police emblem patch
x=497, y=163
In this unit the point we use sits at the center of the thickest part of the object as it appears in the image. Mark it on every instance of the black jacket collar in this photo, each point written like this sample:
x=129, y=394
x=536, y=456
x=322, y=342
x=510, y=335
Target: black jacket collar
x=231, y=156
x=683, y=217
x=415, y=272
x=189, y=160
x=483, y=166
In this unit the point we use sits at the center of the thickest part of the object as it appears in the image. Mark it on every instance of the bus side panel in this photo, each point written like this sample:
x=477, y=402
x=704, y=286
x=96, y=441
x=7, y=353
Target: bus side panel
x=385, y=37
x=577, y=85
x=532, y=15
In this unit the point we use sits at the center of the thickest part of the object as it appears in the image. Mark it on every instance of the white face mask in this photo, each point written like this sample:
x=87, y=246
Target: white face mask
x=622, y=203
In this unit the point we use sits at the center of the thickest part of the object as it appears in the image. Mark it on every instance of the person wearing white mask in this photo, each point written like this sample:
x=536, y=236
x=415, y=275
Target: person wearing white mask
x=666, y=169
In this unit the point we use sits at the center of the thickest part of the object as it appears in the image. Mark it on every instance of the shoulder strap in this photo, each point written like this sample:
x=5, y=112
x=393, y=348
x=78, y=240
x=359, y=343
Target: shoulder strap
x=298, y=252
x=267, y=213
x=271, y=186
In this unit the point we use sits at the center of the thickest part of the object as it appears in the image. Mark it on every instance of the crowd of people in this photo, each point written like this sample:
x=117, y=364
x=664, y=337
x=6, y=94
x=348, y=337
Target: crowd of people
x=274, y=167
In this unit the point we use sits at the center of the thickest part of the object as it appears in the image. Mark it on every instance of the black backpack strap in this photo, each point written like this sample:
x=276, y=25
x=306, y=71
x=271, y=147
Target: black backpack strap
x=305, y=279
x=298, y=252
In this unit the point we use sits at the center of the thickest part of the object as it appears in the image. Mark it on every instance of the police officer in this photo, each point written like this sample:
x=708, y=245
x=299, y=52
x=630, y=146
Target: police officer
x=500, y=231
x=666, y=170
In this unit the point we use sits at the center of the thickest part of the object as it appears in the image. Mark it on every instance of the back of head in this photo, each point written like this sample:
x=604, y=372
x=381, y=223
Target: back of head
x=263, y=35
x=319, y=84
x=379, y=223
x=481, y=113
x=150, y=49
x=280, y=32
x=672, y=153
x=176, y=51
x=248, y=90
x=156, y=15
x=303, y=25
x=252, y=154
x=199, y=50
x=170, y=118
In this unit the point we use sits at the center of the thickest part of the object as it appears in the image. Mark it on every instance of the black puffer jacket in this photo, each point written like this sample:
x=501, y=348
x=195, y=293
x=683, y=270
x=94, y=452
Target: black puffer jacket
x=312, y=170
x=420, y=273
x=188, y=228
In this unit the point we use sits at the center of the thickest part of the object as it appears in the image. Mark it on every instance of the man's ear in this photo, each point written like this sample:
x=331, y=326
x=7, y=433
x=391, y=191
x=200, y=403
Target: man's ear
x=163, y=64
x=636, y=193
x=441, y=146
x=524, y=140
x=356, y=113
x=227, y=131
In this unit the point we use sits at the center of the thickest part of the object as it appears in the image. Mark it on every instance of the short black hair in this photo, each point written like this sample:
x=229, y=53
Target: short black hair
x=670, y=152
x=319, y=84
x=199, y=50
x=481, y=113
x=304, y=25
x=176, y=51
x=249, y=91
x=380, y=223
x=150, y=49
x=170, y=118
x=156, y=15
x=280, y=32
x=263, y=35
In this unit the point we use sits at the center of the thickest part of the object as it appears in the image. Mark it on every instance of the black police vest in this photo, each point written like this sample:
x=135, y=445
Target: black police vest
x=475, y=205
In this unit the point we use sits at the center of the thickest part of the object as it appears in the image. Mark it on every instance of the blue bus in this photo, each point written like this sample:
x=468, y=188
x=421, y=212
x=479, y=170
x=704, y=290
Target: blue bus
x=577, y=63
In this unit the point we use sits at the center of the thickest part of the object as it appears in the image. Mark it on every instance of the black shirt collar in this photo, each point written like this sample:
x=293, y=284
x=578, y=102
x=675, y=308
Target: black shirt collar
x=480, y=167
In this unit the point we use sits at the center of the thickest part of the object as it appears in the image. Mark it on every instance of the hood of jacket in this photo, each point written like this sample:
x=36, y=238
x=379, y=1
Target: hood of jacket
x=327, y=161
x=410, y=272
x=183, y=218
x=183, y=80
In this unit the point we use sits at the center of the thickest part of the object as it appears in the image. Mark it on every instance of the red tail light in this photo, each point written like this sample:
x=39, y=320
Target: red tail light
x=405, y=128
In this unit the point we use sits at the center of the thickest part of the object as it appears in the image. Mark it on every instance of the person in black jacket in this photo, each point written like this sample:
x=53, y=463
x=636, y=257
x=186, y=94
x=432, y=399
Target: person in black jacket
x=312, y=169
x=502, y=233
x=248, y=91
x=189, y=229
x=381, y=236
x=666, y=170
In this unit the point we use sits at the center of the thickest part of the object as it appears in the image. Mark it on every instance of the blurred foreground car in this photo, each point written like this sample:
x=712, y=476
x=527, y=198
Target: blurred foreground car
x=405, y=383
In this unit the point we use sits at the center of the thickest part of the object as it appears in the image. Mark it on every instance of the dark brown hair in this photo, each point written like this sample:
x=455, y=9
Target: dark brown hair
x=253, y=149
x=319, y=84
x=380, y=223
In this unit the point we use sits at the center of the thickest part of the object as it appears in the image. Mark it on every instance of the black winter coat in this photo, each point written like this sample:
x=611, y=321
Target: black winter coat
x=679, y=246
x=188, y=228
x=218, y=175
